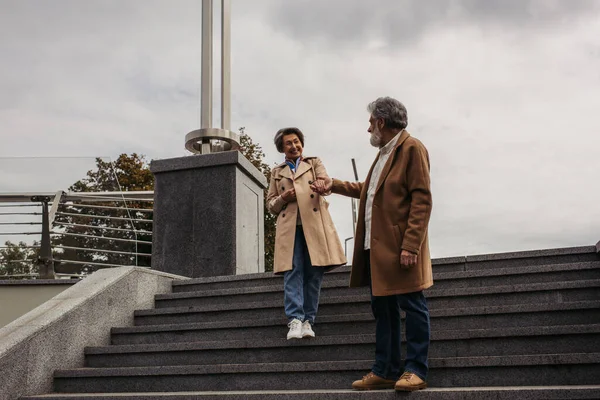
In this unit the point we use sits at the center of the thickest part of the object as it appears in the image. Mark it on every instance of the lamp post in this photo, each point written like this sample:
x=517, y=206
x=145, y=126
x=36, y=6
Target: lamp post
x=209, y=139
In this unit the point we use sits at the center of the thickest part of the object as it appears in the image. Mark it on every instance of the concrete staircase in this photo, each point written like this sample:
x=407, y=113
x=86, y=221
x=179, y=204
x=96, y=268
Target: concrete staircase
x=504, y=326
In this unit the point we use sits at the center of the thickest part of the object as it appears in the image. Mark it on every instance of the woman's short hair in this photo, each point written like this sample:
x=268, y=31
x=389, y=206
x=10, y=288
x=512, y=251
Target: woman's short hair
x=287, y=131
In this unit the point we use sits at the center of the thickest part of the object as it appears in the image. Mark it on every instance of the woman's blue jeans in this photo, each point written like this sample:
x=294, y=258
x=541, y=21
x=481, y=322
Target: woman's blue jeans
x=302, y=284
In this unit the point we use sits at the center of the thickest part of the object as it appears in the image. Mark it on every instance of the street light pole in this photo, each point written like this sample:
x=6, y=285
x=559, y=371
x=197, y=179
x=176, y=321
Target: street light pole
x=201, y=141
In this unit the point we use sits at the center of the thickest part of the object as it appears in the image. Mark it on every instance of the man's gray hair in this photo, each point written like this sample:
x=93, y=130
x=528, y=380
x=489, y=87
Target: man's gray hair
x=287, y=131
x=391, y=111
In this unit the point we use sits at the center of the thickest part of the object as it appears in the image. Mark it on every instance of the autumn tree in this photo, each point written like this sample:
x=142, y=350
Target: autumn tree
x=107, y=235
x=18, y=259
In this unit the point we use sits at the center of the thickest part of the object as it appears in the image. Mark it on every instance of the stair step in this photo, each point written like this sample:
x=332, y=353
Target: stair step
x=537, y=370
x=452, y=264
x=468, y=278
x=473, y=343
x=356, y=324
x=461, y=393
x=548, y=292
x=525, y=319
x=338, y=285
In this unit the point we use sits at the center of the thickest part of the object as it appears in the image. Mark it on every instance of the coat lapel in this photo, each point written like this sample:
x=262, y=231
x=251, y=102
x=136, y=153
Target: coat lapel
x=302, y=168
x=286, y=172
x=363, y=195
x=365, y=189
x=388, y=165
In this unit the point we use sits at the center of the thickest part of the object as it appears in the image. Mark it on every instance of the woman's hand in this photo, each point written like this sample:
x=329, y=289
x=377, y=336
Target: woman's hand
x=289, y=195
x=322, y=185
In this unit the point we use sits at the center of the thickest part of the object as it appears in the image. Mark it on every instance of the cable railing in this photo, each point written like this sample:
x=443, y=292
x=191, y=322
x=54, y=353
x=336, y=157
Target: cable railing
x=70, y=235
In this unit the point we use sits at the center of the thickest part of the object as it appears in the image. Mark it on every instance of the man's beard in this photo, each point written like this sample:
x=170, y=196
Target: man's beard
x=376, y=138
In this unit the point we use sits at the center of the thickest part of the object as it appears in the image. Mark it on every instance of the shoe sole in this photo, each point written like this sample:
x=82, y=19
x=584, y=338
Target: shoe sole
x=411, y=389
x=308, y=335
x=294, y=337
x=382, y=387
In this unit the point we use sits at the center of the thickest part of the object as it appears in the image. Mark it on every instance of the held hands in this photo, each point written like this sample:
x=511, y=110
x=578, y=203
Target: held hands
x=407, y=259
x=322, y=185
x=289, y=195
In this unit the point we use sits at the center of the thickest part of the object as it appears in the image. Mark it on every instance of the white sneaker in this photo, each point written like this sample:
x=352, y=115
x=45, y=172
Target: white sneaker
x=307, y=330
x=295, y=329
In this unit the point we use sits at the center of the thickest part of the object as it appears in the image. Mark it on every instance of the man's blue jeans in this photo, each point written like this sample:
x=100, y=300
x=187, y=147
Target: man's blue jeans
x=302, y=285
x=386, y=310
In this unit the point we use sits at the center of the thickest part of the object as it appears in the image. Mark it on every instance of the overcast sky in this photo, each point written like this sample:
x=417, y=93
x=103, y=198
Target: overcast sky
x=505, y=94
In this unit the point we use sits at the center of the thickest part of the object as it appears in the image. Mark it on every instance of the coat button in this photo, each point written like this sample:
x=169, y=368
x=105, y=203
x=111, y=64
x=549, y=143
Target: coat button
x=282, y=188
x=310, y=182
x=284, y=206
x=312, y=196
x=282, y=215
x=315, y=210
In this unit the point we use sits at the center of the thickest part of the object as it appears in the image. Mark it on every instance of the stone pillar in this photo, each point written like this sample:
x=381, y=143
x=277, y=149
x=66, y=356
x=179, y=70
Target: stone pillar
x=208, y=215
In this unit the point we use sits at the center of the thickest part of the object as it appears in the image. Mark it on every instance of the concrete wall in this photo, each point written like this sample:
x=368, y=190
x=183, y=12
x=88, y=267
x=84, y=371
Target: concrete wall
x=18, y=297
x=250, y=225
x=53, y=335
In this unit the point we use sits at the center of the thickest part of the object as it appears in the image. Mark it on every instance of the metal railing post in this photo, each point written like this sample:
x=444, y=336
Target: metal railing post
x=346, y=246
x=44, y=262
x=354, y=201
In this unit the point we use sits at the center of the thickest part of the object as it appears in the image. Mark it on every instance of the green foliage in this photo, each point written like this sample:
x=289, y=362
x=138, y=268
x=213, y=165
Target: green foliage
x=16, y=259
x=127, y=173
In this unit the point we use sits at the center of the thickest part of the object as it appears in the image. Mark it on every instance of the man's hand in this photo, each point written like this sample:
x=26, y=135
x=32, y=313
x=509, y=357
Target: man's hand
x=322, y=185
x=289, y=195
x=408, y=259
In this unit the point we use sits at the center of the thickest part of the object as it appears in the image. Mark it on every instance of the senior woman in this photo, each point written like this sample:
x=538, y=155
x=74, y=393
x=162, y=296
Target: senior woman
x=306, y=242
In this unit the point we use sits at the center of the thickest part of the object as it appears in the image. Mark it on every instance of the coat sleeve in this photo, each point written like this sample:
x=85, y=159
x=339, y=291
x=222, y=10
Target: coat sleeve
x=274, y=200
x=350, y=189
x=418, y=183
x=320, y=171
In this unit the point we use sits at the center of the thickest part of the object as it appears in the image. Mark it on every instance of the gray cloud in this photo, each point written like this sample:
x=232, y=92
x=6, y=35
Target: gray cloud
x=394, y=23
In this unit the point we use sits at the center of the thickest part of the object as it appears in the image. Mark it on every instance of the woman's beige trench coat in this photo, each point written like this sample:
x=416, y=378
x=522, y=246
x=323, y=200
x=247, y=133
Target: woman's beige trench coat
x=322, y=240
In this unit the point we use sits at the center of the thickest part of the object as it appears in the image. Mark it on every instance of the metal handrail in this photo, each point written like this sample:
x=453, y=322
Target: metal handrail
x=109, y=208
x=58, y=204
x=33, y=213
x=102, y=251
x=23, y=197
x=71, y=196
x=20, y=223
x=19, y=233
x=95, y=263
x=102, y=217
x=104, y=196
x=105, y=227
x=100, y=237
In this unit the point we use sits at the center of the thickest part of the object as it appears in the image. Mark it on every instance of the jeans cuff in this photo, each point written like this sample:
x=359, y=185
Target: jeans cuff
x=378, y=374
x=419, y=374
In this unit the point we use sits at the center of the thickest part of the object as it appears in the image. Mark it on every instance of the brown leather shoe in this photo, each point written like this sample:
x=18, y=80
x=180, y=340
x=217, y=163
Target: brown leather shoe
x=409, y=382
x=372, y=382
